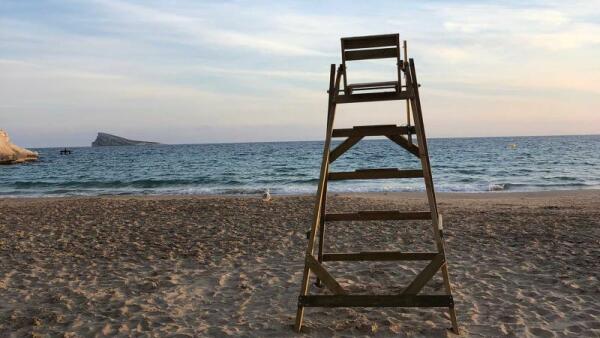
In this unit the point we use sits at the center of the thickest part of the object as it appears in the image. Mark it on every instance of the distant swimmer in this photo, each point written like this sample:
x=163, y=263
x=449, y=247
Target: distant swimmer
x=512, y=146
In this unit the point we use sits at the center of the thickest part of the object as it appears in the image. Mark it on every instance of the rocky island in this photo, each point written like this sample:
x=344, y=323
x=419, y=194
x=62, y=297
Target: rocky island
x=104, y=139
x=11, y=153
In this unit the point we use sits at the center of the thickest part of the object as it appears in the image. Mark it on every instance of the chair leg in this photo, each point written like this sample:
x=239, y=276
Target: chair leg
x=448, y=287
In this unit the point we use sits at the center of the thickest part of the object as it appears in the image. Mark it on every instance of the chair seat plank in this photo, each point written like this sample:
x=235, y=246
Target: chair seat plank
x=373, y=85
x=369, y=97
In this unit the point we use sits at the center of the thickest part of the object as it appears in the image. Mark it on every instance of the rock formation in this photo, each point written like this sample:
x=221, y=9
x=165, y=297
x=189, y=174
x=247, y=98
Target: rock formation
x=104, y=139
x=10, y=153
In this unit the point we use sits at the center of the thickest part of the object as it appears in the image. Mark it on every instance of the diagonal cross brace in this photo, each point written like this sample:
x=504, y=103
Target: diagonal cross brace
x=324, y=276
x=343, y=147
x=424, y=276
x=401, y=141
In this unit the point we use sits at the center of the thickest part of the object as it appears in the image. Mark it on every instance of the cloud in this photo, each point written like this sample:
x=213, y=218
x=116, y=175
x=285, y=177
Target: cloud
x=287, y=74
x=550, y=26
x=197, y=30
x=573, y=37
x=31, y=92
x=234, y=65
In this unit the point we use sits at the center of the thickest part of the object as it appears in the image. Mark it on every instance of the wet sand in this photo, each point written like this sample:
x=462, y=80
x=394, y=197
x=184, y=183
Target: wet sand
x=521, y=264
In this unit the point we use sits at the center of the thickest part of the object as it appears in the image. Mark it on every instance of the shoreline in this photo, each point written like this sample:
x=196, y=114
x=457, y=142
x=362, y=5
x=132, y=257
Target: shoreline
x=485, y=195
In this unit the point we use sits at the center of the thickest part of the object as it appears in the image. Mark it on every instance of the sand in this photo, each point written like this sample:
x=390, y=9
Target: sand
x=521, y=265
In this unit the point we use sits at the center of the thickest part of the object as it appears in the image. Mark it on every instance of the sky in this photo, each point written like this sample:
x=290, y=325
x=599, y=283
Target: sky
x=244, y=71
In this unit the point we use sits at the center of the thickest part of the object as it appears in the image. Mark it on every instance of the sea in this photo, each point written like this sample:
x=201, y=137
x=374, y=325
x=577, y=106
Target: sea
x=473, y=165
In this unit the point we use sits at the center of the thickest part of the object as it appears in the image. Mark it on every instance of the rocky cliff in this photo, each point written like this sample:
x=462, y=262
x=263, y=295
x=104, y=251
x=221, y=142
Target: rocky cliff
x=104, y=139
x=10, y=153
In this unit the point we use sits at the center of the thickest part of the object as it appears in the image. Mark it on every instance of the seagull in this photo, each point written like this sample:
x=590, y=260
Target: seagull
x=266, y=196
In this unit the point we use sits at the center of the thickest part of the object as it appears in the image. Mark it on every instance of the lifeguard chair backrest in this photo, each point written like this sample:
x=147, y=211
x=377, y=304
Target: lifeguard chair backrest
x=371, y=47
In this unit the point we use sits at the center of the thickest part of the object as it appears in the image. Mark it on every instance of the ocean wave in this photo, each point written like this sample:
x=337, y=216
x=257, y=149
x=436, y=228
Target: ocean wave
x=534, y=187
x=279, y=189
x=142, y=183
x=496, y=187
x=562, y=178
x=280, y=185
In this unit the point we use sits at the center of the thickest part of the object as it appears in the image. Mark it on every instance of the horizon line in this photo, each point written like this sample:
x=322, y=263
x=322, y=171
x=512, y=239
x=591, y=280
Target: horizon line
x=295, y=141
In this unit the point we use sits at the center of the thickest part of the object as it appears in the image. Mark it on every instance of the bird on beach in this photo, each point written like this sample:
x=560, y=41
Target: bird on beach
x=267, y=196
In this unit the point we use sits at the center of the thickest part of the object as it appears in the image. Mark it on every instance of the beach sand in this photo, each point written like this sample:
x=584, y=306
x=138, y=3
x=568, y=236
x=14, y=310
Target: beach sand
x=521, y=264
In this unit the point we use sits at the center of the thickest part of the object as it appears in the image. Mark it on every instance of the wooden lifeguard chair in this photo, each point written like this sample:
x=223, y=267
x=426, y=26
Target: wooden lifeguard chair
x=364, y=48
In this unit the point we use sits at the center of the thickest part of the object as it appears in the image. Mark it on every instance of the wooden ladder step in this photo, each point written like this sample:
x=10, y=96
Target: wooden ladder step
x=377, y=215
x=373, y=174
x=371, y=97
x=376, y=300
x=379, y=256
x=376, y=130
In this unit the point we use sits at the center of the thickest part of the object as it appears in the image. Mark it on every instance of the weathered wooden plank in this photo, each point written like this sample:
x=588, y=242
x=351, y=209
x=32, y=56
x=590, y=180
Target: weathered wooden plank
x=369, y=97
x=343, y=147
x=379, y=256
x=412, y=82
x=376, y=130
x=368, y=54
x=404, y=143
x=372, y=174
x=379, y=215
x=376, y=301
x=373, y=85
x=451, y=310
x=404, y=63
x=370, y=41
x=424, y=276
x=334, y=86
x=324, y=276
